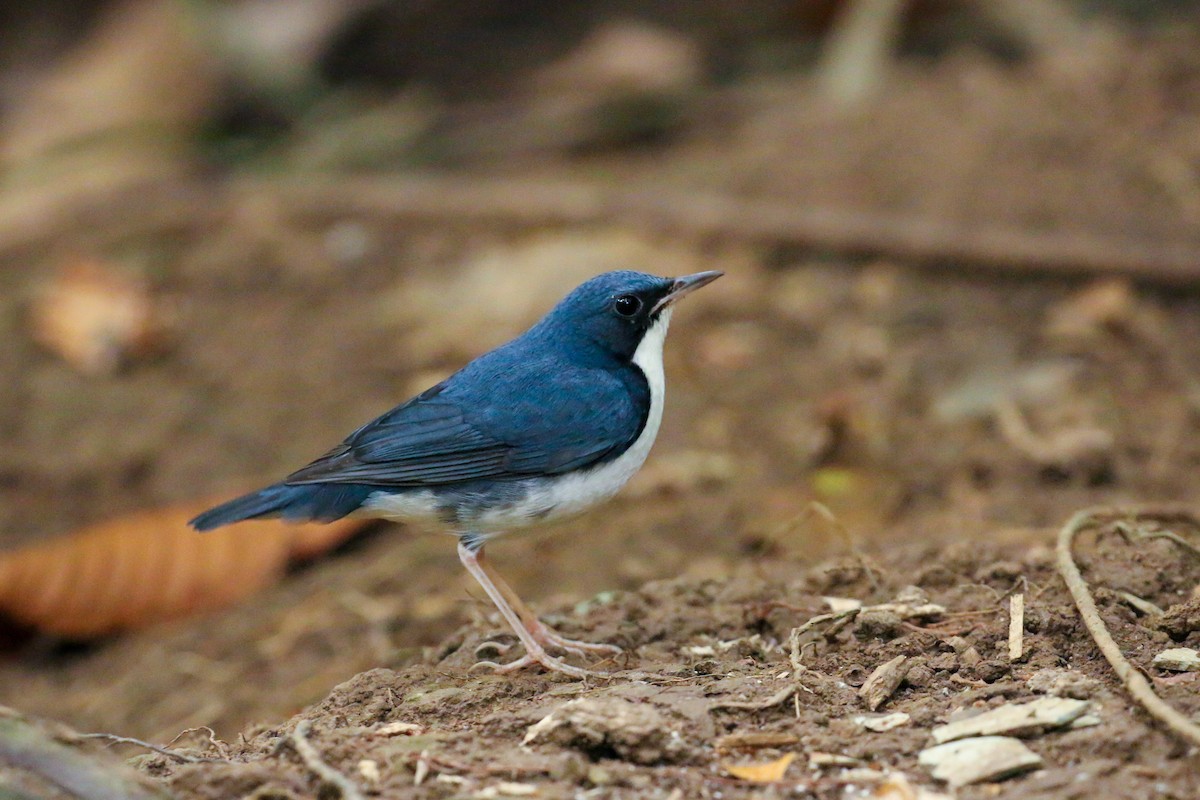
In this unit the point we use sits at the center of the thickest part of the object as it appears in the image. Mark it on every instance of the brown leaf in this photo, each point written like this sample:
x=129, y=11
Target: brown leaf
x=96, y=318
x=149, y=567
x=769, y=772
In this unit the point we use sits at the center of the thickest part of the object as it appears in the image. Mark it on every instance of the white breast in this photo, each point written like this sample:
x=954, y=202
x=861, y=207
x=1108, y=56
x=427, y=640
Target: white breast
x=573, y=493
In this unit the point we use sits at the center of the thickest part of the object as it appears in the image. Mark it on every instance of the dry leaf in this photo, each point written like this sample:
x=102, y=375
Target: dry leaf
x=96, y=318
x=149, y=567
x=770, y=772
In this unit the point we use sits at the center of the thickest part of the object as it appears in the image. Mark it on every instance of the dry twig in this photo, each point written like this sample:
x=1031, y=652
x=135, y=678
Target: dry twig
x=1016, y=627
x=1134, y=681
x=27, y=746
x=184, y=757
x=858, y=50
x=312, y=759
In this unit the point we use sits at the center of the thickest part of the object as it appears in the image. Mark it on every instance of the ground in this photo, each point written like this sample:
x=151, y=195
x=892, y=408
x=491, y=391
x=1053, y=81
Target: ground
x=948, y=417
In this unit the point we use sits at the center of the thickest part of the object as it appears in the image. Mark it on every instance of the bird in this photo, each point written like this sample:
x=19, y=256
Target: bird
x=543, y=427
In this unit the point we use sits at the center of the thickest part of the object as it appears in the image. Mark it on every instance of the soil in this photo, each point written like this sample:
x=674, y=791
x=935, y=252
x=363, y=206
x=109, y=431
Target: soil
x=948, y=420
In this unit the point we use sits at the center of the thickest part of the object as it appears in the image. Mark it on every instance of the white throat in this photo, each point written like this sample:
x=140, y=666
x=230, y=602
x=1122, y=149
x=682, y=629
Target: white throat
x=649, y=359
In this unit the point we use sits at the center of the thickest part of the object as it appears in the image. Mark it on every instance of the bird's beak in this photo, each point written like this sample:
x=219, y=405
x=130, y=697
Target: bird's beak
x=685, y=286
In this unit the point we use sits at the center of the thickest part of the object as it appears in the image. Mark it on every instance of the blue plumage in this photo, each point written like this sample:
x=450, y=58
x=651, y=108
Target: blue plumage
x=552, y=422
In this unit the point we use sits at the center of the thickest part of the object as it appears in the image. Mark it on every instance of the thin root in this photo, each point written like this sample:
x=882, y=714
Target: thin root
x=1134, y=681
x=312, y=759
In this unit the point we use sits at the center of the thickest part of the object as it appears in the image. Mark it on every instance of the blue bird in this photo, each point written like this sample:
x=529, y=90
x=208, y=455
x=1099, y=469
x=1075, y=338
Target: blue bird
x=542, y=427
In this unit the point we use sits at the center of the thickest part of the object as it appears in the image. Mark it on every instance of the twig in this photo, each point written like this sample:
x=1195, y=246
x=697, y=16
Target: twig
x=1135, y=534
x=1016, y=627
x=858, y=50
x=26, y=746
x=1134, y=681
x=114, y=739
x=217, y=744
x=821, y=619
x=312, y=759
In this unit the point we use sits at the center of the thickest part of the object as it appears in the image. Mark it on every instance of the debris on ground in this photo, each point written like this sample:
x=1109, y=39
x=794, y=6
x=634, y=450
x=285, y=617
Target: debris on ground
x=1178, y=659
x=984, y=759
x=1017, y=719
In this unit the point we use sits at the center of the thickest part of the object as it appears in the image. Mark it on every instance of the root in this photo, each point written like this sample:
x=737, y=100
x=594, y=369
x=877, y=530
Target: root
x=312, y=759
x=1134, y=681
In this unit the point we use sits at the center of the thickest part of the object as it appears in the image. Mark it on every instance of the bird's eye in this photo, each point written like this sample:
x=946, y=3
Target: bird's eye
x=627, y=305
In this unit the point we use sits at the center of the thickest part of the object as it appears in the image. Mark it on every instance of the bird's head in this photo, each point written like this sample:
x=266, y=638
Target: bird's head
x=616, y=310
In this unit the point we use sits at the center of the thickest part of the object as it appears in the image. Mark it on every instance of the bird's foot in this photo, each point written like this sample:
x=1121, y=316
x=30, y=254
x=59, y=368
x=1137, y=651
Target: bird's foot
x=546, y=636
x=542, y=659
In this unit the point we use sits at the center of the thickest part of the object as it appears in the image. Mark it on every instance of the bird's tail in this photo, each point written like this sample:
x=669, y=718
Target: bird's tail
x=317, y=502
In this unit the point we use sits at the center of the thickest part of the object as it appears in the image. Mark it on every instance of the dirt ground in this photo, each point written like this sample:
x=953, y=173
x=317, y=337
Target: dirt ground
x=950, y=418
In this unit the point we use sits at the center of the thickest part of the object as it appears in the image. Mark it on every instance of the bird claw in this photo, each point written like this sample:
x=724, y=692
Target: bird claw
x=548, y=637
x=543, y=660
x=489, y=647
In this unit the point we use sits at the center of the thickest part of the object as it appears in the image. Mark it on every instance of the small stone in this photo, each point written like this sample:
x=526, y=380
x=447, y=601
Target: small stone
x=986, y=758
x=599, y=776
x=946, y=662
x=1181, y=619
x=970, y=657
x=919, y=676
x=911, y=596
x=991, y=670
x=1178, y=659
x=874, y=623
x=958, y=644
x=635, y=732
x=1063, y=683
x=1015, y=718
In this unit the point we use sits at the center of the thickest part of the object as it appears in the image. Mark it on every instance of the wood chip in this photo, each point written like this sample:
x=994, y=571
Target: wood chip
x=1016, y=627
x=839, y=604
x=986, y=758
x=884, y=682
x=753, y=740
x=1178, y=659
x=881, y=722
x=770, y=772
x=1015, y=718
x=507, y=789
x=818, y=760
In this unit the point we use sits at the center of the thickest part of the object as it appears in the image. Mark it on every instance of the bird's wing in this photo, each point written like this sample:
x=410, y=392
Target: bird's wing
x=504, y=427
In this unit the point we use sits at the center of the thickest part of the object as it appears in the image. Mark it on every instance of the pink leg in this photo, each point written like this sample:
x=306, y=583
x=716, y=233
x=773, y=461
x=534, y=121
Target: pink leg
x=535, y=653
x=543, y=633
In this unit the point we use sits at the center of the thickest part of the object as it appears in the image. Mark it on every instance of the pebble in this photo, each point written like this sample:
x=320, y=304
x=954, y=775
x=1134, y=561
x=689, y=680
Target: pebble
x=986, y=758
x=1178, y=659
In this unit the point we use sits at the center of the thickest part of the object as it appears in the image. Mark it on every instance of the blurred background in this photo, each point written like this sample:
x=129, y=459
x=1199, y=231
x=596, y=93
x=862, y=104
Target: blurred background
x=961, y=242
